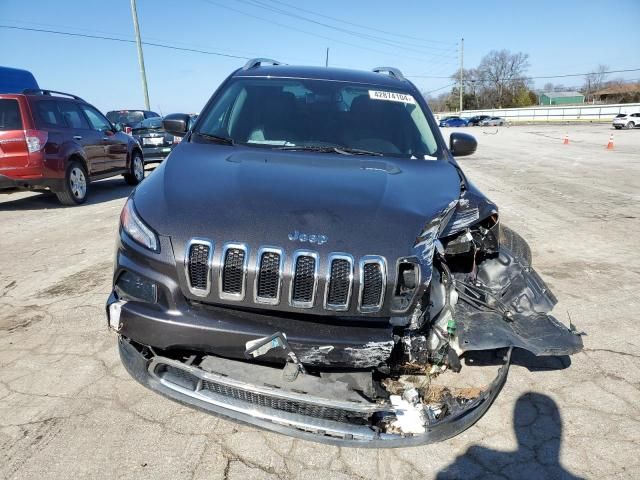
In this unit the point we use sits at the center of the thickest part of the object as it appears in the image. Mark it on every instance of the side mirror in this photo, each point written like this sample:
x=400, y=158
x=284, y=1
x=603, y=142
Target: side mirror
x=462, y=144
x=117, y=127
x=176, y=124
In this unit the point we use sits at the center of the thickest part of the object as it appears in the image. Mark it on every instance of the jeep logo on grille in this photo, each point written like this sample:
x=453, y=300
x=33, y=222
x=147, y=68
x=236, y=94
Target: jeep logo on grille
x=297, y=236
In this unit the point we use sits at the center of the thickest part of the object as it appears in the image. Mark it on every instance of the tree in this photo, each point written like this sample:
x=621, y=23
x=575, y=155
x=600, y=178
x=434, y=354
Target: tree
x=594, y=81
x=548, y=87
x=504, y=72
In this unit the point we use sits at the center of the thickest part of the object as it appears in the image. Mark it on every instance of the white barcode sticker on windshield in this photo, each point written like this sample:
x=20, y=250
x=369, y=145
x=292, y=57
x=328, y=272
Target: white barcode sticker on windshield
x=391, y=96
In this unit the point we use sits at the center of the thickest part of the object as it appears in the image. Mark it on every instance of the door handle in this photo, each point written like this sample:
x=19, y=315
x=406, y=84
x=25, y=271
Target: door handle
x=106, y=139
x=77, y=137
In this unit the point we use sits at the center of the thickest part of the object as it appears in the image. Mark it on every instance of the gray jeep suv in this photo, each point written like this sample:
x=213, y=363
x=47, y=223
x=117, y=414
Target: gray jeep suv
x=312, y=260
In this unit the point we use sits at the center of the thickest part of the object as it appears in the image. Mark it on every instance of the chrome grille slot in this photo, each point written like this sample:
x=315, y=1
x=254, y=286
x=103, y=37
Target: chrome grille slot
x=233, y=271
x=339, y=282
x=373, y=275
x=199, y=253
x=268, y=275
x=304, y=279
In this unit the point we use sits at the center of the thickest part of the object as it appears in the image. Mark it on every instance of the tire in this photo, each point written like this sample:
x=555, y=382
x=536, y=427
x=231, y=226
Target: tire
x=76, y=185
x=617, y=127
x=630, y=125
x=136, y=169
x=516, y=244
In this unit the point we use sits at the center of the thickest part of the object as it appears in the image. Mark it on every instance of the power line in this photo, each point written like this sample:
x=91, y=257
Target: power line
x=291, y=28
x=124, y=40
x=364, y=27
x=441, y=88
x=367, y=36
x=533, y=77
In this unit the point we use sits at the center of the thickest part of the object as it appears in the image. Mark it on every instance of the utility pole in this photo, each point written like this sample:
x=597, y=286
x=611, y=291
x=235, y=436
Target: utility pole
x=326, y=59
x=143, y=74
x=461, y=69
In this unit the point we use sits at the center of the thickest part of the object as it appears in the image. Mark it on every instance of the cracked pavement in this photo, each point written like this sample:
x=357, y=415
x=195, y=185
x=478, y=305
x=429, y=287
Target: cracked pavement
x=68, y=409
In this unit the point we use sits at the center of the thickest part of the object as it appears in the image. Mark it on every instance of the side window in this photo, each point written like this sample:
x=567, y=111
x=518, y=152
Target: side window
x=151, y=115
x=72, y=115
x=96, y=119
x=47, y=114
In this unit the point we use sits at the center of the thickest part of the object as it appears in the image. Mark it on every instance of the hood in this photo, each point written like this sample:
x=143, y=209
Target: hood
x=363, y=205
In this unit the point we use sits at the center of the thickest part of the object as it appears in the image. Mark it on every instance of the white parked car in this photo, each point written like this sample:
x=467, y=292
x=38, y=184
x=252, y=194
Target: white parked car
x=627, y=120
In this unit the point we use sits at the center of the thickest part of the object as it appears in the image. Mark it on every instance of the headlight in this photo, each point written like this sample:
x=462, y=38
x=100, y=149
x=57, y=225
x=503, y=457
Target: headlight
x=133, y=225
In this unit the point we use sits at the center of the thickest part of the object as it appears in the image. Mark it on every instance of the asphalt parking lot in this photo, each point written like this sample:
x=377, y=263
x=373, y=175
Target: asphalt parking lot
x=69, y=410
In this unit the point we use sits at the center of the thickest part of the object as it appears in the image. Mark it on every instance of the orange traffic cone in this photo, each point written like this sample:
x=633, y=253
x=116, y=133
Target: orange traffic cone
x=566, y=139
x=610, y=144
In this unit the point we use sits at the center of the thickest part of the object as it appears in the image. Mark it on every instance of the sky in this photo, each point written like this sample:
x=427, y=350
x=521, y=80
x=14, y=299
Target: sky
x=421, y=37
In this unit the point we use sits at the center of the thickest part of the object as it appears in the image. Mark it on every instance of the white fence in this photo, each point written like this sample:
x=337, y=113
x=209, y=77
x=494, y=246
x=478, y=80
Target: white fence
x=571, y=113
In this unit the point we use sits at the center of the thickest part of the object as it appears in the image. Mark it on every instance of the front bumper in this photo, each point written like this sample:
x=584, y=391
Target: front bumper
x=155, y=154
x=311, y=418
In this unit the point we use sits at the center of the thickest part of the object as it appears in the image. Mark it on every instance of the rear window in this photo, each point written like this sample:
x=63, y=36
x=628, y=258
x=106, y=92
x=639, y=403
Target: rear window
x=128, y=118
x=48, y=115
x=10, y=118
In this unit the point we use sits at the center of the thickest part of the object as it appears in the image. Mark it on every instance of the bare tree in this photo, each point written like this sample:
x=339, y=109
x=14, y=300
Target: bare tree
x=504, y=72
x=548, y=87
x=594, y=81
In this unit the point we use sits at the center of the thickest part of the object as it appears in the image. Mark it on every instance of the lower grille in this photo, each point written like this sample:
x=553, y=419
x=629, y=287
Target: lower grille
x=304, y=280
x=185, y=379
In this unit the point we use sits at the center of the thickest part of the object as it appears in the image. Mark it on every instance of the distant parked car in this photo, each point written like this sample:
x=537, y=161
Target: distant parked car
x=129, y=118
x=57, y=141
x=453, y=122
x=476, y=120
x=626, y=120
x=13, y=80
x=492, y=122
x=156, y=143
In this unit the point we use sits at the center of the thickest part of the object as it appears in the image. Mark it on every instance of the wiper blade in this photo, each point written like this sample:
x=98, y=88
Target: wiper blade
x=331, y=149
x=309, y=148
x=216, y=138
x=357, y=151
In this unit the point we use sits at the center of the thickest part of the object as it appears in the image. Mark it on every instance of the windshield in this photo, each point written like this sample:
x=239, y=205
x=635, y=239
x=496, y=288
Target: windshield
x=277, y=113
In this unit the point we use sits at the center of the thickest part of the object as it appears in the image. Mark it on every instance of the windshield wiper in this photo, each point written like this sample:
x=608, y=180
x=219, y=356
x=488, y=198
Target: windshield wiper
x=216, y=138
x=330, y=149
x=357, y=151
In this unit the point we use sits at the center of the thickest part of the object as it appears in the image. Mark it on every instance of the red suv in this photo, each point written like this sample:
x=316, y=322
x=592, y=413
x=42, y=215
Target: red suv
x=58, y=141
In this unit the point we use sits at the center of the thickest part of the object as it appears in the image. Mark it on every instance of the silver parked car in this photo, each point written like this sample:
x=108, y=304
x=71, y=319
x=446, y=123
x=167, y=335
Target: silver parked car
x=626, y=120
x=492, y=122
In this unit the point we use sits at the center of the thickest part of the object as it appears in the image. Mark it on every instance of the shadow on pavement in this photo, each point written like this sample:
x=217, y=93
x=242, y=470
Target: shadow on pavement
x=100, y=191
x=538, y=428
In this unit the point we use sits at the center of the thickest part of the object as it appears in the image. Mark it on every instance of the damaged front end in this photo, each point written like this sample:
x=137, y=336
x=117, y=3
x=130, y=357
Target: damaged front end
x=428, y=374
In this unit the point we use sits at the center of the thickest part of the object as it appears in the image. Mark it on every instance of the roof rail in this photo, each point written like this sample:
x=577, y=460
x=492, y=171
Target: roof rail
x=392, y=71
x=256, y=62
x=39, y=91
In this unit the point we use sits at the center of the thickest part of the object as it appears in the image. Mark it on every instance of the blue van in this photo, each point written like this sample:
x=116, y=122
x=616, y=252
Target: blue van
x=13, y=80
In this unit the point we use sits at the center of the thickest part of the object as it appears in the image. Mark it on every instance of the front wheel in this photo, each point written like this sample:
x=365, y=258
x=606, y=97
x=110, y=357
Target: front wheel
x=136, y=170
x=617, y=127
x=76, y=185
x=630, y=125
